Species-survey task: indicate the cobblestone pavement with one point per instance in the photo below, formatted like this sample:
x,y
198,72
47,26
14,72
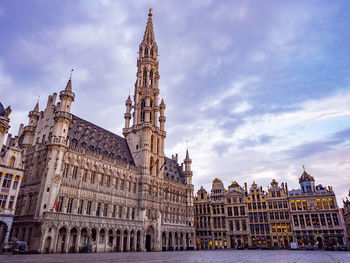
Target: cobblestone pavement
x,y
268,256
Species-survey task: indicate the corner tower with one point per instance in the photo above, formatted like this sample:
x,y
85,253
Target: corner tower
x,y
146,135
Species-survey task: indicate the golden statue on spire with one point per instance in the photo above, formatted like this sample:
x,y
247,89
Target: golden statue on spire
x,y
150,11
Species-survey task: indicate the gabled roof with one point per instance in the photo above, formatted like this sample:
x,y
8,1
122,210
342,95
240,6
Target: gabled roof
x,y
94,138
305,177
173,171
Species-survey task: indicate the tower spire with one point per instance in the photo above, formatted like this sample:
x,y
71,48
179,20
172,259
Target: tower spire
x,y
69,84
148,36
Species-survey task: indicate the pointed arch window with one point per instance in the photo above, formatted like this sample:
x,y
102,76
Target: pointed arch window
x,y
150,165
143,105
151,78
145,77
152,139
146,52
140,51
151,52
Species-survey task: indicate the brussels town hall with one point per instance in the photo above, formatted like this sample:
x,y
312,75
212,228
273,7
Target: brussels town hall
x,y
85,188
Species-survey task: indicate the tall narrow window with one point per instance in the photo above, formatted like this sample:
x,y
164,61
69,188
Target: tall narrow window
x,y
15,183
101,181
144,77
3,199
105,210
152,139
108,180
158,146
84,175
152,52
143,114
93,176
151,78
88,208
75,172
65,170
80,208
70,205
7,181
114,210
151,165
60,204
12,200
98,210
146,51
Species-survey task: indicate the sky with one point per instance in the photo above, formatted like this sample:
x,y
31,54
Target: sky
x,y
258,88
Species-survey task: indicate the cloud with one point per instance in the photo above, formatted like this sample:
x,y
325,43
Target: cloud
x,y
257,89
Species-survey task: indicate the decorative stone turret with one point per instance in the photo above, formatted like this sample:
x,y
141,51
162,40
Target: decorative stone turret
x,y
29,130
4,123
127,115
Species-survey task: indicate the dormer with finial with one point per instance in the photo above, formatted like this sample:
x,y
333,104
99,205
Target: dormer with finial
x,y
307,182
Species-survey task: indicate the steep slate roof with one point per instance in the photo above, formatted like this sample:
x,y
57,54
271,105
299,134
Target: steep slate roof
x,y
94,138
173,171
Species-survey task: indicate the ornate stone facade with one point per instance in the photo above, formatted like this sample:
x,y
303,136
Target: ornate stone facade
x,y
254,218
11,173
87,188
316,218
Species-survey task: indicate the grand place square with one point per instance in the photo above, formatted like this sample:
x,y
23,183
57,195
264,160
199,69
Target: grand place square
x,y
89,177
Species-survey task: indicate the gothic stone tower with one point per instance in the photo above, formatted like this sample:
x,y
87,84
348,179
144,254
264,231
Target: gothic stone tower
x,y
146,135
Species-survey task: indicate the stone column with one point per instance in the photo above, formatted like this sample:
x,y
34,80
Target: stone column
x,y
121,241
173,240
7,234
184,241
77,242
135,242
66,242
2,178
128,242
167,241
97,239
54,241
105,242
142,242
114,243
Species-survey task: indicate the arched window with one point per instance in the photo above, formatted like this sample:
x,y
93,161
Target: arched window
x,y
150,165
152,143
151,78
143,105
151,52
158,145
12,161
146,52
145,77
140,51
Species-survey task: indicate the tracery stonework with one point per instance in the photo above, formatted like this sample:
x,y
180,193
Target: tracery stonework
x,y
85,187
